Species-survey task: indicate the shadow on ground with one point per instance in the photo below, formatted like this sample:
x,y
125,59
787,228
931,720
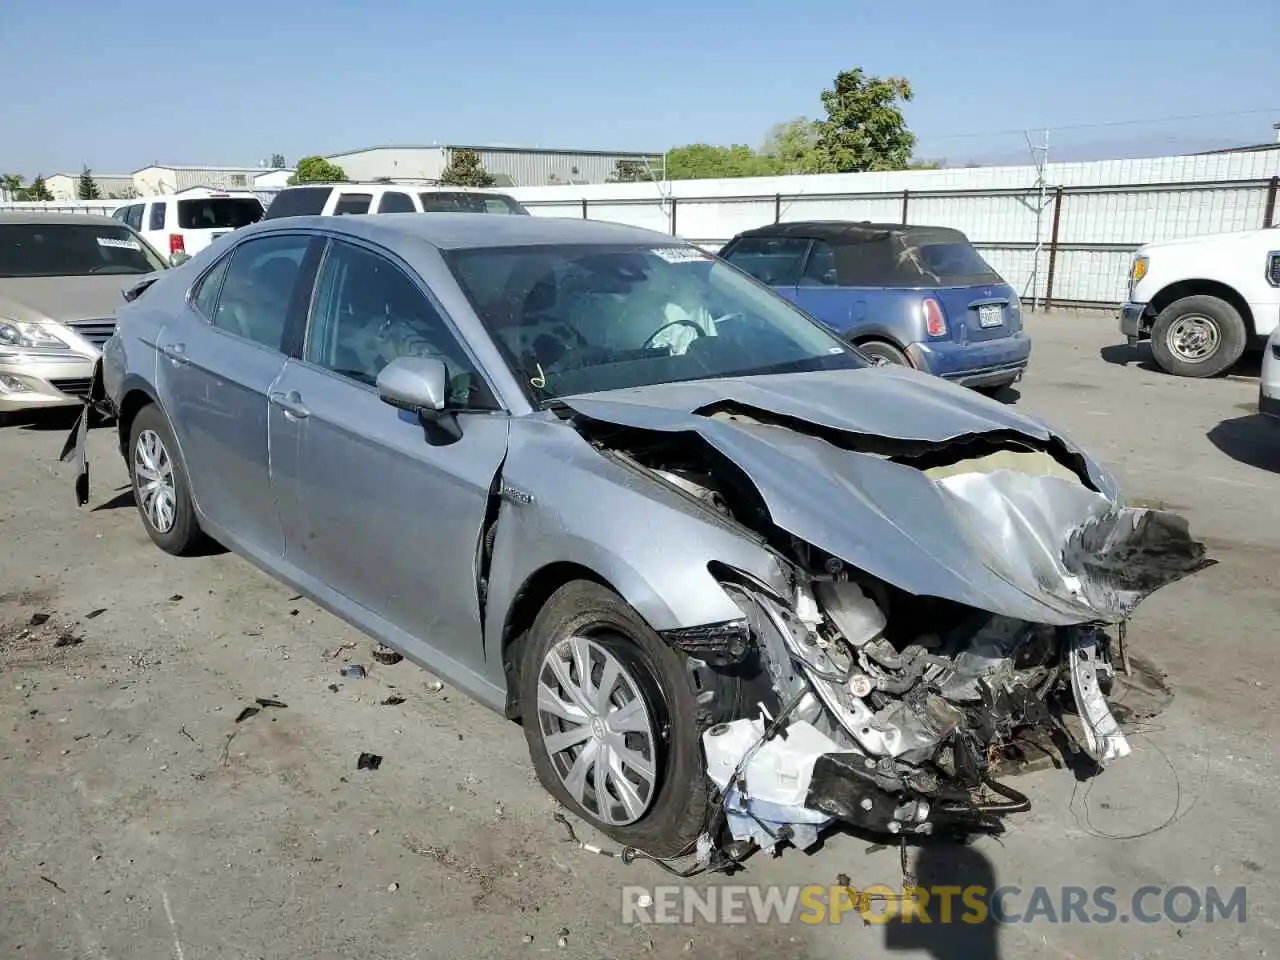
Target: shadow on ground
x,y
957,922
1252,440
1122,354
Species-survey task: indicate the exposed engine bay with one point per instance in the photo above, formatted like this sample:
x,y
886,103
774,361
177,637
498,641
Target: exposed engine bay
x,y
857,700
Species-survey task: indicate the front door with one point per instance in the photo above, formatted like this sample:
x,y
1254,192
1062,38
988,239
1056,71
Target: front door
x,y
217,367
376,513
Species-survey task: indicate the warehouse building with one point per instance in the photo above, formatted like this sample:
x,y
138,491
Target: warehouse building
x,y
509,166
111,186
164,178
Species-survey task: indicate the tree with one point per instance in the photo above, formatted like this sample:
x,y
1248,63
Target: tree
x,y
630,171
465,170
864,129
39,190
704,161
926,164
277,161
792,147
317,170
87,189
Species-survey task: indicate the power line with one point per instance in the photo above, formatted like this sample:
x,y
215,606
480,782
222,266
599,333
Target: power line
x,y
1103,123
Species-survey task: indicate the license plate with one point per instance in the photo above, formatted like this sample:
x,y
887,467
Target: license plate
x,y
990,315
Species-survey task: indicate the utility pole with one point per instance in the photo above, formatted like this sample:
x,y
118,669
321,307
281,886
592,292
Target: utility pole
x,y
1040,158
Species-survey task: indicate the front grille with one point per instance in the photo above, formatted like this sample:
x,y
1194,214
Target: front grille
x,y
76,386
96,332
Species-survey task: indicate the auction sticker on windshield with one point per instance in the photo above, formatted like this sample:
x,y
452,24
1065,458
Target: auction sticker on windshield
x,y
679,254
119,244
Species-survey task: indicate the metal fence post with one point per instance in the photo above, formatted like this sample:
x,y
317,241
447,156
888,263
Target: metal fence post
x,y
1269,211
673,216
1053,250
906,196
584,208
777,208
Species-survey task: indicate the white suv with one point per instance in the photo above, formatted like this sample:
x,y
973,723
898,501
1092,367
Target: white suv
x,y
336,199
183,224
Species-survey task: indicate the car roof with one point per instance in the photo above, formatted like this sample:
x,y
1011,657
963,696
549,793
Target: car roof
x,y
846,232
77,219
399,187
457,231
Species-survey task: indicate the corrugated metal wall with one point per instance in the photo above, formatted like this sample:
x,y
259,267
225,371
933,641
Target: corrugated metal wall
x,y
398,163
532,168
1105,210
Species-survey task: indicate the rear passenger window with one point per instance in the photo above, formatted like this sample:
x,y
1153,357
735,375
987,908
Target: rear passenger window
x,y
396,203
352,203
820,268
206,293
299,202
132,215
776,261
258,287
157,216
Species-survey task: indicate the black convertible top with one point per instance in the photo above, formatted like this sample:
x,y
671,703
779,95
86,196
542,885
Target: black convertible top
x,y
889,254
842,232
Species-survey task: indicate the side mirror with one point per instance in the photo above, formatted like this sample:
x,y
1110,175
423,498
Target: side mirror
x,y
179,258
417,384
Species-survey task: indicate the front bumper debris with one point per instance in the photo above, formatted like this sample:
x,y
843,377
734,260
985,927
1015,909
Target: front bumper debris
x,y
75,447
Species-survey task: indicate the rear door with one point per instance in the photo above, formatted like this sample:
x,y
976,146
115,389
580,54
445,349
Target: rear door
x,y
218,361
376,511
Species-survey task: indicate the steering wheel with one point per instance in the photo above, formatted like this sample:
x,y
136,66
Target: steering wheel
x,y
682,322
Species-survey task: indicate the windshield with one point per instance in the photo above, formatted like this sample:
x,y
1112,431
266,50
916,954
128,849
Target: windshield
x,y
218,213
73,250
458,202
577,319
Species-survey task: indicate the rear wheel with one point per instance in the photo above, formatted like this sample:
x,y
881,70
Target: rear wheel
x,y
160,486
884,353
1199,336
609,716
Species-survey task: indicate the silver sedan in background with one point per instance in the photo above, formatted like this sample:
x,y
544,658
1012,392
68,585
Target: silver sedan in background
x,y
60,284
736,582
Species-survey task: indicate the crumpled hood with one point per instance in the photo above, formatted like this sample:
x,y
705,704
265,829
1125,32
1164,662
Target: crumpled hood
x,y
1036,547
32,299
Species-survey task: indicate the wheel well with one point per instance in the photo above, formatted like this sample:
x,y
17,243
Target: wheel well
x,y
1211,288
529,599
133,401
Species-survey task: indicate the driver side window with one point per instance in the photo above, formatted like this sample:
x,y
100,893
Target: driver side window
x,y
368,312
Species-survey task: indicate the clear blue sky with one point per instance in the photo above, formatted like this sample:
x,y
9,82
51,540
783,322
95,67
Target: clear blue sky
x,y
120,85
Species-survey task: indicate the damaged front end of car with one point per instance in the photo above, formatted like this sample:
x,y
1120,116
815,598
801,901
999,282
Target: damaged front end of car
x,y
948,620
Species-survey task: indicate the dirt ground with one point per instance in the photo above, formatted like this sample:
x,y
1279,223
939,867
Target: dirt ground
x,y
139,820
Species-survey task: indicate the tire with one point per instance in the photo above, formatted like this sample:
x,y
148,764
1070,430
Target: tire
x,y
182,534
886,352
675,804
1198,336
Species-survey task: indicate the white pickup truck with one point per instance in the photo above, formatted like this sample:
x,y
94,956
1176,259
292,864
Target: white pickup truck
x,y
1203,301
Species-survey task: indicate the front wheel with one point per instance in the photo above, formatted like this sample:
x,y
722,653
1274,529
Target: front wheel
x,y
609,716
1198,336
160,486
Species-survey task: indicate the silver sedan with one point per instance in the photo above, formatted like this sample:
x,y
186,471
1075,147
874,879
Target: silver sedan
x,y
735,581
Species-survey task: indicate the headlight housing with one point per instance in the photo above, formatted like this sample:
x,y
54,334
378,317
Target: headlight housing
x,y
30,336
1138,270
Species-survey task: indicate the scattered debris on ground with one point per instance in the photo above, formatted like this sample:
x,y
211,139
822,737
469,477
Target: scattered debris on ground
x,y
384,654
368,761
392,701
354,671
246,713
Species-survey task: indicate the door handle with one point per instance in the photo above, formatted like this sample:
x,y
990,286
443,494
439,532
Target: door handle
x,y
291,403
176,352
